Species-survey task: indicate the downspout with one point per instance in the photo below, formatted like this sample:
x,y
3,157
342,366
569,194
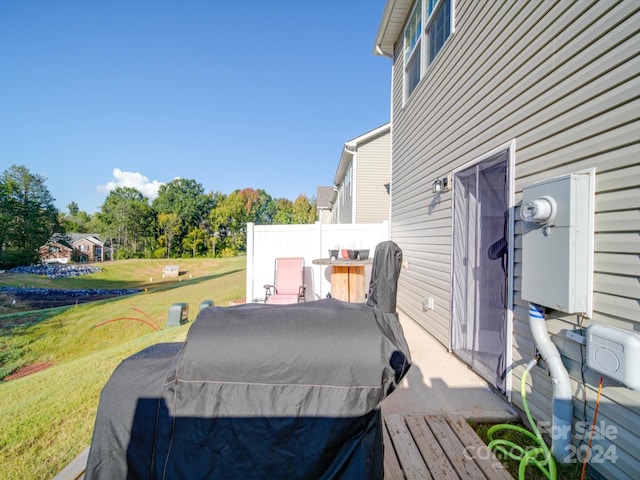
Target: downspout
x,y
332,204
354,184
562,396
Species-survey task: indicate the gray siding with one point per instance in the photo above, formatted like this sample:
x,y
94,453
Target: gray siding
x,y
562,80
345,202
372,180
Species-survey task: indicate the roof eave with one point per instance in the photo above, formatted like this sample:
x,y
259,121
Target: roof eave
x,y
391,24
351,147
345,159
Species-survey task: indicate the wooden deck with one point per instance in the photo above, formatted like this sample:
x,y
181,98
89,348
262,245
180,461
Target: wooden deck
x,y
415,447
436,447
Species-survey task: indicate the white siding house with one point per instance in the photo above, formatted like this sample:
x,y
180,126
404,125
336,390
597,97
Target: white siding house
x,y
361,183
487,99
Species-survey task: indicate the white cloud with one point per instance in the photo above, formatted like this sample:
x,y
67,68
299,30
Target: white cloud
x,y
132,179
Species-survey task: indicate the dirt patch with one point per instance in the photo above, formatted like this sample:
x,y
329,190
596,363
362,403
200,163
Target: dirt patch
x,y
28,370
27,299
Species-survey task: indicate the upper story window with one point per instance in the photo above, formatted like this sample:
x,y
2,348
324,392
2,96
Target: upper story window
x,y
346,187
412,48
428,28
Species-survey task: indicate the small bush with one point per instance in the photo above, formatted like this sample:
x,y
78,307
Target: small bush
x,y
227,253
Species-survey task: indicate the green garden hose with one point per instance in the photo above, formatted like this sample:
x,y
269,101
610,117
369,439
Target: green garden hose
x,y
538,454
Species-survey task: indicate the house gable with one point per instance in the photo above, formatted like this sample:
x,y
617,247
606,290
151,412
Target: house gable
x,y
361,183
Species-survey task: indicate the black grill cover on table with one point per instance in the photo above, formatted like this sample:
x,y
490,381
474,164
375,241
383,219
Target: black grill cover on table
x,y
256,391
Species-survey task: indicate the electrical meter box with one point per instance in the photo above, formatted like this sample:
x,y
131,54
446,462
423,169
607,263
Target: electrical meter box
x,y
178,314
615,353
557,242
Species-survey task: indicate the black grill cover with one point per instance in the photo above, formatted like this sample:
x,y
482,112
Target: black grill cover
x,y
256,391
383,288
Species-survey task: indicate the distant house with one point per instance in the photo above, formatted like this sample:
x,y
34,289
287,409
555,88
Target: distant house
x,y
89,247
76,247
323,195
489,99
361,183
56,250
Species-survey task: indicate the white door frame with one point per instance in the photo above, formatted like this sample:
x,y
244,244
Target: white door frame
x,y
511,147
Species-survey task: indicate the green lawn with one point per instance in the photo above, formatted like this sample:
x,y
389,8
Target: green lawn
x,y
46,419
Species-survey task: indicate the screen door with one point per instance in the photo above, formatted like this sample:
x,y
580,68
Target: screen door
x,y
480,266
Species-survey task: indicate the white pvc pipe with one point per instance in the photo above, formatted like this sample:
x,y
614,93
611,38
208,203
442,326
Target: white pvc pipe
x,y
562,396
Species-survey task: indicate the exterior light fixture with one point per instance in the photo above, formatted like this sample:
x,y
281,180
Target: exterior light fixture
x,y
440,186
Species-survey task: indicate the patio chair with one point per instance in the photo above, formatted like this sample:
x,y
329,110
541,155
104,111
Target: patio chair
x,y
288,285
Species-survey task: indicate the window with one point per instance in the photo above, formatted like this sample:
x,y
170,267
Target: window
x,y
346,189
440,28
412,48
427,30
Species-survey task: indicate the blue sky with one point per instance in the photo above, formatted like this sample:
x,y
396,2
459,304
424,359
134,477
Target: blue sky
x,y
234,94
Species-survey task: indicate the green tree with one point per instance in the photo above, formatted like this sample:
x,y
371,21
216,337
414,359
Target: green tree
x,y
186,199
76,221
260,206
231,214
284,211
142,229
169,226
197,241
73,209
227,220
304,210
28,217
127,219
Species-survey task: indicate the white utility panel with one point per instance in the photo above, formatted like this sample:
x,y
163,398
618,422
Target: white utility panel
x,y
557,242
615,353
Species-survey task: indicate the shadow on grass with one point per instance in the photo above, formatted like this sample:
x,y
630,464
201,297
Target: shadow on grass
x,y
182,282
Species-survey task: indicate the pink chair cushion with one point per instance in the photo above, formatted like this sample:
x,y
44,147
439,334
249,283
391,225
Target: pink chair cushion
x,y
282,299
289,276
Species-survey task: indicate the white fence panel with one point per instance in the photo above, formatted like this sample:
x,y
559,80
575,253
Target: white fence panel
x,y
265,243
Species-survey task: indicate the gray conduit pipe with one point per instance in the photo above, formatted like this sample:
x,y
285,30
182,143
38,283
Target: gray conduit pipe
x,y
562,396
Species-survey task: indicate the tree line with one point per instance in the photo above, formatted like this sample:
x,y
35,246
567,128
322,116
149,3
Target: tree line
x,y
182,221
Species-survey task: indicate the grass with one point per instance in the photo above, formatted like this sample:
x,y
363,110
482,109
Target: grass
x,y
569,471
46,419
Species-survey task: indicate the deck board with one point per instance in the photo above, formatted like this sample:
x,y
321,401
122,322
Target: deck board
x,y
392,469
463,464
431,450
409,457
438,447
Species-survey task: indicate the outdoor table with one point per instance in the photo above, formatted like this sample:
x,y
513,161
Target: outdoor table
x,y
347,278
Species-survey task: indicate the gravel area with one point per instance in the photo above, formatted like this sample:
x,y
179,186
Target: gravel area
x,y
23,299
57,270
